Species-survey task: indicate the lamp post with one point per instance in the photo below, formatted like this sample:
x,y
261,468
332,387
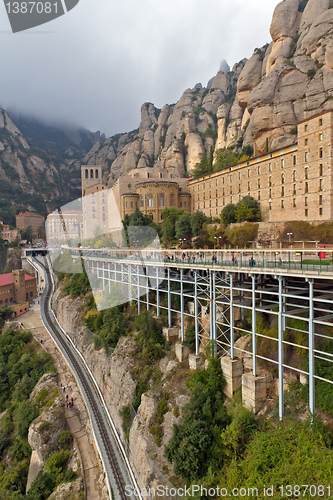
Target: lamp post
x,y
217,242
182,241
289,236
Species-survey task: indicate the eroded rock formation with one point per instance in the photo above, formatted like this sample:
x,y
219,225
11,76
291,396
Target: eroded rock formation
x,y
258,103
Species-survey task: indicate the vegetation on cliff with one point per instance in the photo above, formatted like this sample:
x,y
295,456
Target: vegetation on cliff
x,y
22,363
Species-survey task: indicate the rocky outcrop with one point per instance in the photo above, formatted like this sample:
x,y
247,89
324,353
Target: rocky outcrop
x,y
115,376
66,491
36,178
259,100
170,138
43,436
45,430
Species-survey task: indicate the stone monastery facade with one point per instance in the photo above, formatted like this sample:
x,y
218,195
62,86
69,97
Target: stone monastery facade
x,y
294,183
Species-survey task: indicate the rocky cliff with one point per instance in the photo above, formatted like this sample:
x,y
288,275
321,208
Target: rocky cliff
x,y
258,103
33,178
115,375
43,436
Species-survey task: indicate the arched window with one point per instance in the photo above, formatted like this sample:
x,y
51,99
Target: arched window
x,y
96,173
31,294
26,296
86,175
91,174
11,300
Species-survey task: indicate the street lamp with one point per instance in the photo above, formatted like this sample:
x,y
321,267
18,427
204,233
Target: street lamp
x,y
289,236
217,238
182,241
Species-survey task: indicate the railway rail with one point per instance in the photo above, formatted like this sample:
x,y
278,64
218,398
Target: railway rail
x,y
110,454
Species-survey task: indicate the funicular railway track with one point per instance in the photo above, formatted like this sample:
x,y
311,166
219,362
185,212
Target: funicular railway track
x,y
92,400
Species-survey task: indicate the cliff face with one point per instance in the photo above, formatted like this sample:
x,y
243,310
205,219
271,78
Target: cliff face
x,y
115,378
258,103
33,178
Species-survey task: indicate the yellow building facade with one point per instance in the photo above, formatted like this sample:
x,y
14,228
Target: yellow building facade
x,y
294,183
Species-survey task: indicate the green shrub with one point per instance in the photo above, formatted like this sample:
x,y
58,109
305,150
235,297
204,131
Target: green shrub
x,y
311,73
65,439
196,444
241,236
44,426
189,340
26,413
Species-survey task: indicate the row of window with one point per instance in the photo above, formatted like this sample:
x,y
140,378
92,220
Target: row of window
x,y
294,177
321,137
86,174
320,122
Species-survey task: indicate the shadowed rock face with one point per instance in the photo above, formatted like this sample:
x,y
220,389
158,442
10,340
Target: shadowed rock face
x,y
261,99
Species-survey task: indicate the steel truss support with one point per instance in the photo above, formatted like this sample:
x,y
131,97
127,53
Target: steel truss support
x,y
232,318
213,313
147,287
109,275
169,300
157,294
139,293
212,309
196,313
225,292
280,343
182,305
311,352
254,326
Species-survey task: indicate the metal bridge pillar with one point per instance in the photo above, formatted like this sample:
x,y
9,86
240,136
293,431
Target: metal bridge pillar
x,y
284,304
212,308
130,283
147,287
196,313
139,294
254,325
169,299
103,275
157,294
311,352
280,346
232,318
182,305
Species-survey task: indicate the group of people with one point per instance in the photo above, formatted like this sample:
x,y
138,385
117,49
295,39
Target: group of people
x,y
69,401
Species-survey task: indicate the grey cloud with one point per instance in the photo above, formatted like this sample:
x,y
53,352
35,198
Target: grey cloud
x,y
97,64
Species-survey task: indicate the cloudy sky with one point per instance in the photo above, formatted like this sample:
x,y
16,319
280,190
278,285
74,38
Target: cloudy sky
x,y
98,63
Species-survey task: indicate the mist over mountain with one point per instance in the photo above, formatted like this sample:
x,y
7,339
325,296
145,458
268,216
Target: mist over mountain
x,y
255,105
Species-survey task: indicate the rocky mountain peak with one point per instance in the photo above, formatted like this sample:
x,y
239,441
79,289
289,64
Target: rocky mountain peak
x,y
258,103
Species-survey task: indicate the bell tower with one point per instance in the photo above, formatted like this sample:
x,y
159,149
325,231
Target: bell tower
x,y
90,176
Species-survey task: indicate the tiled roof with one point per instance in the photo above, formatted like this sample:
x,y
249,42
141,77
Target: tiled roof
x,y
7,279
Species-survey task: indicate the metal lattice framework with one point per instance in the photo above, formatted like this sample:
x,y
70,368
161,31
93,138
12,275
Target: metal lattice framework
x,y
218,298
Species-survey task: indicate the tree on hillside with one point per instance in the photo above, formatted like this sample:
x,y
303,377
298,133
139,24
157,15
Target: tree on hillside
x,y
183,226
228,214
243,213
205,166
26,234
170,215
247,209
241,236
197,221
225,158
140,229
251,204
